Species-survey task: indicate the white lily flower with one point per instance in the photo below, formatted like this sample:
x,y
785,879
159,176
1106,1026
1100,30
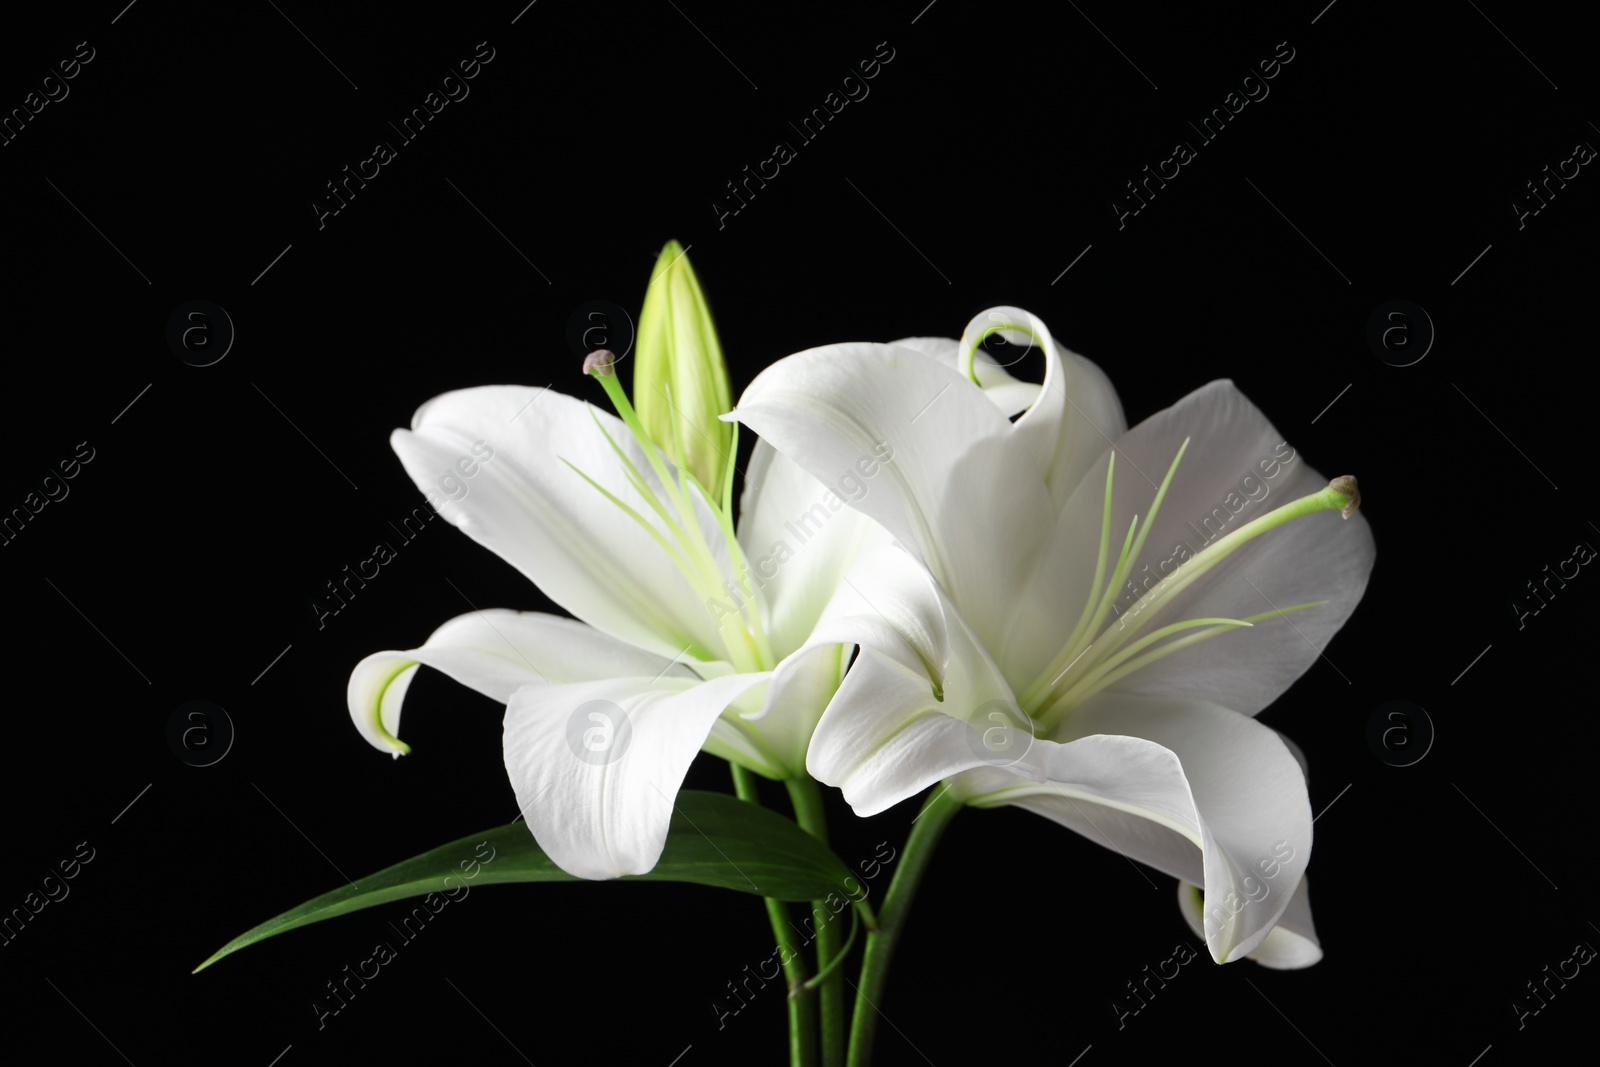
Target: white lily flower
x,y
687,635
1037,664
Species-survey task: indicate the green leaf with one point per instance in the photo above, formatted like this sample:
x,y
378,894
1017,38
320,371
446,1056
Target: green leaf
x,y
714,839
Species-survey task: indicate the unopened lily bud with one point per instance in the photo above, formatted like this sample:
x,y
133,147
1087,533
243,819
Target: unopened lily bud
x,y
680,382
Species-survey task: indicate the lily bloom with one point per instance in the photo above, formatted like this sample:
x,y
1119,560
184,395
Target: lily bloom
x,y
1102,612
686,635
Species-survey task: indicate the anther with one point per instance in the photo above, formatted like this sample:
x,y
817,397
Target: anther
x,y
1345,485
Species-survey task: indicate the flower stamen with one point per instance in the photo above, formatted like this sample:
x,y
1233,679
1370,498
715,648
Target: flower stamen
x,y
684,541
1126,561
1093,658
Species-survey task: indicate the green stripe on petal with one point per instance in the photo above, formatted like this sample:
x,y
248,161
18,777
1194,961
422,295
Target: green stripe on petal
x,y
377,688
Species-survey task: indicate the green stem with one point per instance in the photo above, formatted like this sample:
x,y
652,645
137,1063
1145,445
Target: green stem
x,y
832,965
802,1005
926,829
812,817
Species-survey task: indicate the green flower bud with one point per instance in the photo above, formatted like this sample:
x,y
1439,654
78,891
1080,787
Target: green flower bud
x,y
680,382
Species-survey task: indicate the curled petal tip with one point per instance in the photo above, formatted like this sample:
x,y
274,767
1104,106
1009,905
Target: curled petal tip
x,y
599,362
1345,485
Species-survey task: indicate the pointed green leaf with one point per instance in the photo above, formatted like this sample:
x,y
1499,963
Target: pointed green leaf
x,y
714,839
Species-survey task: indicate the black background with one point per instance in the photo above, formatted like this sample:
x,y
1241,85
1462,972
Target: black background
x,y
983,162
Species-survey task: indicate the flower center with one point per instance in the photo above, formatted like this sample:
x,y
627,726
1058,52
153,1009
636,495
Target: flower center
x,y
679,531
1097,654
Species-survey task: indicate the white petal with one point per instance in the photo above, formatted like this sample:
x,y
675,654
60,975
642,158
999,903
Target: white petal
x,y
1299,755
737,741
495,652
885,738
791,706
1291,945
596,765
530,508
1188,787
955,487
1009,394
888,601
918,702
1319,557
1077,414
799,537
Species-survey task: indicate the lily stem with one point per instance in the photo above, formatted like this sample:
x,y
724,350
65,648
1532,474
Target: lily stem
x,y
802,1004
812,817
926,829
